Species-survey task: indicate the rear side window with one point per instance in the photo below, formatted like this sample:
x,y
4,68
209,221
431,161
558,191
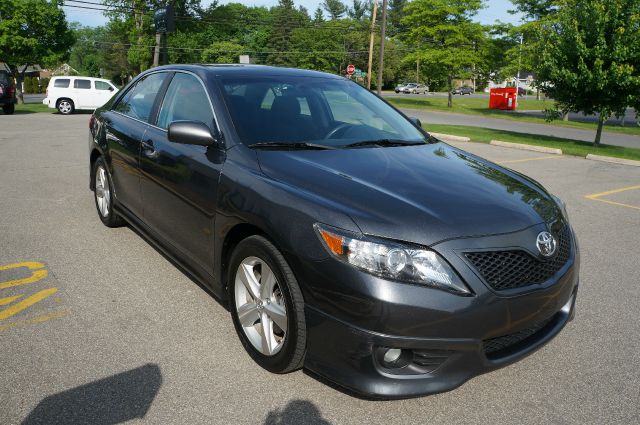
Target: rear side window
x,y
4,78
82,84
62,83
101,85
138,101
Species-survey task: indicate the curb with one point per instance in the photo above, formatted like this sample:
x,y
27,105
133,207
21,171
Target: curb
x,y
450,137
613,160
526,147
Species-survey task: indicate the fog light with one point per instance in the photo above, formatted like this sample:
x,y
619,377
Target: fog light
x,y
392,355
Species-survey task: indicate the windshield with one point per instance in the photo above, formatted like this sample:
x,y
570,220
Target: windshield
x,y
319,111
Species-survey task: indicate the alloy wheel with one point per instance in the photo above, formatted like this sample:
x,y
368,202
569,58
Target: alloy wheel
x,y
260,305
64,107
103,194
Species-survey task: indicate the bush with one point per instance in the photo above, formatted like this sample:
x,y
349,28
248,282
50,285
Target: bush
x,y
44,83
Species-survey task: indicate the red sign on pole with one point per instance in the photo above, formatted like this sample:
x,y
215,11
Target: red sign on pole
x,y
351,69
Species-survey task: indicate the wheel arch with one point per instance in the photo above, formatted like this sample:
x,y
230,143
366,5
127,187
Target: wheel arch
x,y
69,98
232,238
95,154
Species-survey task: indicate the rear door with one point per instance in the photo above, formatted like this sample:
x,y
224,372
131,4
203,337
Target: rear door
x,y
125,125
179,182
82,93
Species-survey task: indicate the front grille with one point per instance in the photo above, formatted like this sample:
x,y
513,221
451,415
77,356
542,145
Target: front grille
x,y
516,268
492,347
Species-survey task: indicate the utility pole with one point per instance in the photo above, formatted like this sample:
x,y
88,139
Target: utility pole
x,y
383,28
156,51
371,38
418,71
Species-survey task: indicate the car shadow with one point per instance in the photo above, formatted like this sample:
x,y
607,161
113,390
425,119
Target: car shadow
x,y
112,400
296,412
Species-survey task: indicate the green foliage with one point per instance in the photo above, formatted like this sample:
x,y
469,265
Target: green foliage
x,y
445,36
590,57
44,83
222,52
335,8
33,32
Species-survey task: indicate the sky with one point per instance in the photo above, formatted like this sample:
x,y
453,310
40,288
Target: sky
x,y
494,10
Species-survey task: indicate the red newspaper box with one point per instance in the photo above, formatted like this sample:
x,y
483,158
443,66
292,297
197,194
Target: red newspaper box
x,y
503,98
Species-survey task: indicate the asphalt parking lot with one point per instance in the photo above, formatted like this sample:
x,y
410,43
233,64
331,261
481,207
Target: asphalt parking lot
x,y
97,327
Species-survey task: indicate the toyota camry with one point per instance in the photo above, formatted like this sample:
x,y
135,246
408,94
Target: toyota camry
x,y
342,237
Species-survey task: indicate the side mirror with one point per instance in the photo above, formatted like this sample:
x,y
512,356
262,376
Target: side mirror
x,y
190,133
111,88
416,121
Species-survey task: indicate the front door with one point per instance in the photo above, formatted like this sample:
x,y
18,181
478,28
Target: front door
x,y
179,182
125,126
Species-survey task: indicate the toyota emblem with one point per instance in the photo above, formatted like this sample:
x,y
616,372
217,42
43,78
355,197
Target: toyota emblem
x,y
546,244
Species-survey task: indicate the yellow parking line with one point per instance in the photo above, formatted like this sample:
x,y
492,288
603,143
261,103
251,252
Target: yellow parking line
x,y
26,303
38,273
9,300
38,319
538,158
597,196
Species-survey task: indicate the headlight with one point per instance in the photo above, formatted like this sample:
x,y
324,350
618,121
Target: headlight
x,y
391,260
563,207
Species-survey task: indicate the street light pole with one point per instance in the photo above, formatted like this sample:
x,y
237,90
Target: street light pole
x,y
383,28
519,62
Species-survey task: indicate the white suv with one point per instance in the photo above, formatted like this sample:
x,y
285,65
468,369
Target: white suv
x,y
66,94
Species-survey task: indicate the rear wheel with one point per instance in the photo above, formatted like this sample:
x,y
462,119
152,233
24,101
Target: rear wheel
x,y
65,106
103,194
267,306
9,108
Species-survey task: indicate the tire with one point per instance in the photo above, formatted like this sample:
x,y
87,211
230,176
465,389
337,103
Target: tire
x,y
9,108
103,195
285,351
65,106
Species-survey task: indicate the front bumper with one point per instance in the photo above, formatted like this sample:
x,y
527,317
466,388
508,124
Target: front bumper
x,y
352,317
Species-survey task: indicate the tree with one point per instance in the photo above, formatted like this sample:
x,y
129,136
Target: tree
x,y
358,11
222,52
590,57
285,19
446,39
33,32
317,16
395,14
535,10
335,8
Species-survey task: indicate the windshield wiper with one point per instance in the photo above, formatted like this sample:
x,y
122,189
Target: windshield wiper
x,y
289,146
383,143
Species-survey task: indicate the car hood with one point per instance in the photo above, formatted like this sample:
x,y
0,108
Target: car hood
x,y
422,194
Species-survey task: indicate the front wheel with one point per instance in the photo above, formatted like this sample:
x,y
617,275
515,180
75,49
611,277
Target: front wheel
x,y
9,108
266,306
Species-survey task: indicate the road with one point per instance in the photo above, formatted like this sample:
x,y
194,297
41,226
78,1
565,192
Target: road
x,y
436,117
630,117
104,329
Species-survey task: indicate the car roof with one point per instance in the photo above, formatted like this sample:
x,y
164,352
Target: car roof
x,y
78,76
224,70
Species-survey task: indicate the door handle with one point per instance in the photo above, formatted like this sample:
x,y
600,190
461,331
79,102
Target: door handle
x,y
148,149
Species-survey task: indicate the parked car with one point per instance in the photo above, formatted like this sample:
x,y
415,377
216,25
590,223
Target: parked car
x,y
344,239
67,94
400,87
463,90
7,92
415,88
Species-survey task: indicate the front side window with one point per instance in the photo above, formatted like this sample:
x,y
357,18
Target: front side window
x,y
327,111
185,100
101,85
61,83
138,101
82,84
